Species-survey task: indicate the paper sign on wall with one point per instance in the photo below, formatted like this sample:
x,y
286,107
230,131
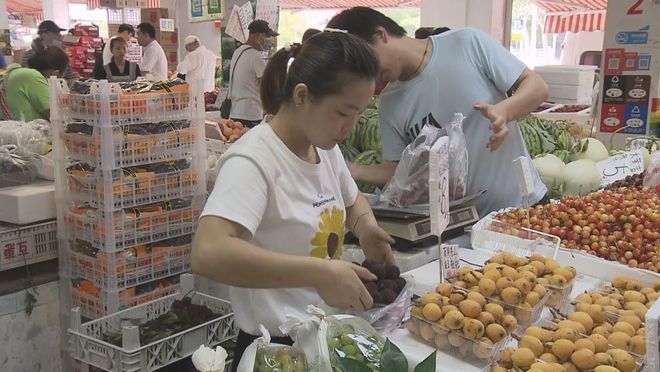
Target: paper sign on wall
x,y
269,11
620,166
234,28
167,24
439,185
246,16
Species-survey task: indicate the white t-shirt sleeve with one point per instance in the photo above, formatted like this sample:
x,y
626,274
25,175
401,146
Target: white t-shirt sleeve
x,y
149,59
239,194
259,64
349,189
501,67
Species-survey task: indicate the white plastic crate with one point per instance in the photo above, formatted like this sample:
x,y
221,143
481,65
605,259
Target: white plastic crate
x,y
496,236
95,302
130,267
87,345
129,187
133,226
27,244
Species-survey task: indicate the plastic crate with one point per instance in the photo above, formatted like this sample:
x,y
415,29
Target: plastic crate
x,y
130,267
95,302
27,244
129,187
107,104
133,226
496,236
87,345
114,149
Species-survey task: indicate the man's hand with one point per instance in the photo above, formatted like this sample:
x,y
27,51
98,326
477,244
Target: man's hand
x,y
498,123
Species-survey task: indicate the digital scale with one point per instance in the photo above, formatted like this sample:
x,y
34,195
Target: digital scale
x,y
411,226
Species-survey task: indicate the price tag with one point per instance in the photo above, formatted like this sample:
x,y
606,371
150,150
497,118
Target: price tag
x,y
620,166
439,185
523,170
449,261
167,24
14,250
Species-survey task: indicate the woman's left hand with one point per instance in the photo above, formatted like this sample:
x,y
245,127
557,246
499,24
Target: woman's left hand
x,y
375,243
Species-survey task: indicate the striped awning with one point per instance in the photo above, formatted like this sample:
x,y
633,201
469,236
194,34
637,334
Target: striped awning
x,y
573,15
94,4
344,4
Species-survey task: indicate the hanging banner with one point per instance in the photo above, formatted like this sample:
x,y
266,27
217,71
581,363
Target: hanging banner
x,y
246,15
234,28
205,10
631,65
269,11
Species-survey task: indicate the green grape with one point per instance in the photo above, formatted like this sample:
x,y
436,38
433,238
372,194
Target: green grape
x,y
358,357
346,340
335,343
347,328
349,349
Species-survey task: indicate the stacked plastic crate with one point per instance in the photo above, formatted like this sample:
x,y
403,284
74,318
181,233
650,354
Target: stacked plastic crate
x,y
130,185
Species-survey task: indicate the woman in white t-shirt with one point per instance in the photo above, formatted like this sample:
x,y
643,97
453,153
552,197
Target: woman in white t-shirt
x,y
273,227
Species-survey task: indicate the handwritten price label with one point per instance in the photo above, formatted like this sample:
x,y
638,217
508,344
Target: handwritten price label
x,y
439,185
620,166
14,250
449,260
523,170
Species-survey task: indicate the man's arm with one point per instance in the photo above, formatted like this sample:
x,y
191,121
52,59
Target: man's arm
x,y
378,175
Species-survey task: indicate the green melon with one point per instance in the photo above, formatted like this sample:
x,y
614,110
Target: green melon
x,y
349,152
368,158
369,136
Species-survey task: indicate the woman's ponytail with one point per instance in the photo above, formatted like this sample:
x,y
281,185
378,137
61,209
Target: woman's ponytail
x,y
274,78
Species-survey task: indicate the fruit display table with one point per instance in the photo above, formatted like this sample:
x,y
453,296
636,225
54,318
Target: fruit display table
x,y
593,273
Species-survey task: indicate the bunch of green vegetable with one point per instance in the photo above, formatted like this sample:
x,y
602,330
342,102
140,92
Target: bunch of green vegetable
x,y
547,137
391,360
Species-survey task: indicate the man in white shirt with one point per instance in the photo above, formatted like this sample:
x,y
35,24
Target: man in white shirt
x,y
154,60
125,32
247,66
199,64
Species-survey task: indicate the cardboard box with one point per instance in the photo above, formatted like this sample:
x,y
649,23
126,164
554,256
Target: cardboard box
x,y
168,38
86,30
28,203
153,16
172,56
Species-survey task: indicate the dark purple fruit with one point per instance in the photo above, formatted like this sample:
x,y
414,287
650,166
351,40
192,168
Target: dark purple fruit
x,y
388,295
387,283
392,272
378,299
371,286
400,284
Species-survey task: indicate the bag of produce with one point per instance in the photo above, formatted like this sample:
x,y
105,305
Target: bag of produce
x,y
458,158
206,359
263,356
410,183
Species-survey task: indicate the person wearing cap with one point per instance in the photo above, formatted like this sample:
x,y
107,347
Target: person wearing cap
x,y
49,36
119,69
154,60
126,32
199,63
247,67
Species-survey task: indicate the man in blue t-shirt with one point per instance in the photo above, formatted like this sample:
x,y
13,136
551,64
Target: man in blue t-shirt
x,y
463,70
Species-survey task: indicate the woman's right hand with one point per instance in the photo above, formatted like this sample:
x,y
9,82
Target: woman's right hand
x,y
342,287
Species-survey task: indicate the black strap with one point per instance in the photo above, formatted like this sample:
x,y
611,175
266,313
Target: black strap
x,y
231,75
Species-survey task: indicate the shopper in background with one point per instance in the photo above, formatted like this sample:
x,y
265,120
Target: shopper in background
x,y
247,67
154,60
199,64
275,219
309,33
24,92
126,32
464,71
49,35
119,69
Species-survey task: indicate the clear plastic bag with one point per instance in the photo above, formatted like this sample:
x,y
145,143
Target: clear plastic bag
x,y
652,177
18,166
410,183
458,158
262,355
351,337
33,136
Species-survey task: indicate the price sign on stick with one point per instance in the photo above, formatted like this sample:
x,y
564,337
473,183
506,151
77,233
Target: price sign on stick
x,y
620,166
523,170
439,190
450,261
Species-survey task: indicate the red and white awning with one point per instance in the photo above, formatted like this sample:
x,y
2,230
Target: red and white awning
x,y
94,4
343,4
573,15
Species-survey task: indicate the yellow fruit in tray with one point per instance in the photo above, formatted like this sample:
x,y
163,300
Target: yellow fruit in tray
x,y
483,349
486,318
549,367
581,306
495,309
622,360
492,266
509,272
540,289
606,369
495,332
569,367
503,283
417,311
600,343
500,369
641,332
652,297
523,285
557,280
493,275
542,281
523,313
523,358
585,343
646,291
567,274
529,276
620,282
455,338
473,329
562,349
465,350
448,308
432,312
456,298
532,298
585,298
597,313
487,287
634,285
620,340
624,327
584,319
537,257
584,359
461,284
426,331
542,334
603,301
439,328
569,334
540,267
444,289
550,265
638,345
532,343
510,323
413,327
505,357
604,359
454,319
549,358
511,295
634,296
441,342
477,297
431,298
567,323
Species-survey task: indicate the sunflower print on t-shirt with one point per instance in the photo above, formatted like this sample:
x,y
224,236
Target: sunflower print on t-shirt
x,y
329,240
